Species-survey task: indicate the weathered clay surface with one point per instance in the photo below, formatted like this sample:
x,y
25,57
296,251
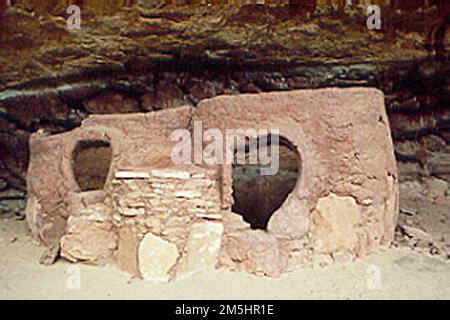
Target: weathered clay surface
x,y
346,153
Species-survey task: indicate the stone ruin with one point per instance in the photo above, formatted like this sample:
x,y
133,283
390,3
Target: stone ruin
x,y
129,203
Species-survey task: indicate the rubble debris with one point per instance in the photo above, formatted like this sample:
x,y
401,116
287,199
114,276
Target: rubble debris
x,y
416,234
50,255
408,212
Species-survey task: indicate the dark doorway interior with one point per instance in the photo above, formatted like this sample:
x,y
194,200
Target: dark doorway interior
x,y
257,197
91,162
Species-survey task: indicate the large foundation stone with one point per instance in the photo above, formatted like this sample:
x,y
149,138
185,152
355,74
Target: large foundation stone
x,y
156,258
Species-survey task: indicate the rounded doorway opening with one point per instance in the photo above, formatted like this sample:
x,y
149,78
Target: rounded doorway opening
x,y
257,196
91,160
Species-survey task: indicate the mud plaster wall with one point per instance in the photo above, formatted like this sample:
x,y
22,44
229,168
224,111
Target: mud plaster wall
x,y
346,198
345,202
137,140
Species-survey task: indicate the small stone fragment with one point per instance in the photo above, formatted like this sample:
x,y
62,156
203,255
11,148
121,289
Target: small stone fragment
x,y
170,174
342,256
187,194
322,260
132,175
416,233
50,255
132,212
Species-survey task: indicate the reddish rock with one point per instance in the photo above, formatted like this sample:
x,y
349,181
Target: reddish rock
x,y
166,95
111,102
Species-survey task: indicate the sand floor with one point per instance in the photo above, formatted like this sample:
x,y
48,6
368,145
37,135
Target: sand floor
x,y
392,273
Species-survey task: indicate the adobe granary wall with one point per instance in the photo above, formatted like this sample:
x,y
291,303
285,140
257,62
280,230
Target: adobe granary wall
x,y
162,220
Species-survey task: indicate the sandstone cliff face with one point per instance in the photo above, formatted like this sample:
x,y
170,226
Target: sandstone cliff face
x,y
150,59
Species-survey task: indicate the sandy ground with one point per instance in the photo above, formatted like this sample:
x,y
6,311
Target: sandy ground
x,y
395,273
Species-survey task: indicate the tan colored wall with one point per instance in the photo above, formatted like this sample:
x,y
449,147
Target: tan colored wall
x,y
347,162
137,140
